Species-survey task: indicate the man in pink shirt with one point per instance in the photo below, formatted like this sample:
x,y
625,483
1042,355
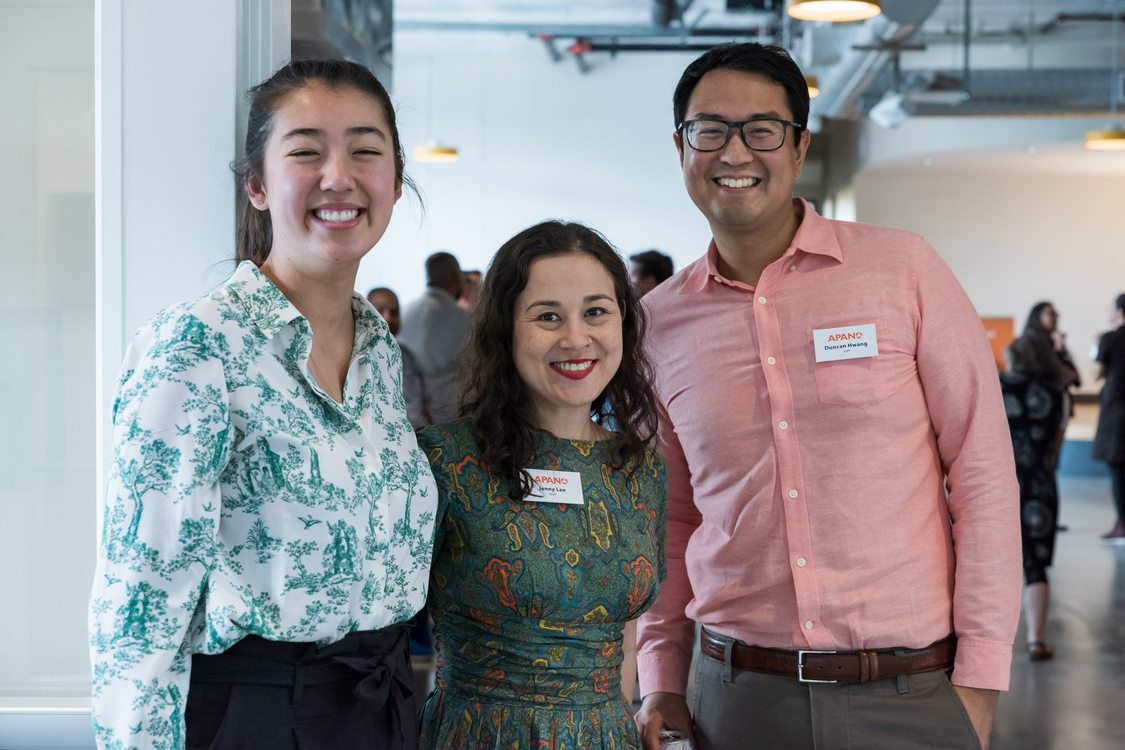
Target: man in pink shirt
x,y
843,510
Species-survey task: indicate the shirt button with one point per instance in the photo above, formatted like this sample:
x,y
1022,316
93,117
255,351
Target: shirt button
x,y
783,425
771,361
792,494
801,562
761,300
808,624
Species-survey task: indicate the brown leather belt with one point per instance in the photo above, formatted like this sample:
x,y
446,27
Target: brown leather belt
x,y
832,666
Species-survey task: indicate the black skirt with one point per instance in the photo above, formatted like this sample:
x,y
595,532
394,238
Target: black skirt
x,y
355,693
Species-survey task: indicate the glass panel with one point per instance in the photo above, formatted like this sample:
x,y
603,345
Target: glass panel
x,y
47,432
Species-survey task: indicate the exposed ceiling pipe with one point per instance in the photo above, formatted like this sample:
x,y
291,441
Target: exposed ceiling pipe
x,y
877,40
965,44
1049,92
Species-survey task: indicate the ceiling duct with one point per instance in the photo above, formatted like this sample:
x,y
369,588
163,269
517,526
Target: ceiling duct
x,y
345,28
872,46
664,12
1046,92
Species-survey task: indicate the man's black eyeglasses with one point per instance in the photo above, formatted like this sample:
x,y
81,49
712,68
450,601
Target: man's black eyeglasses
x,y
760,134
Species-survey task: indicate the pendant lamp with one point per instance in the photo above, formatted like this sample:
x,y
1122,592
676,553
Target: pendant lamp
x,y
834,10
814,86
435,153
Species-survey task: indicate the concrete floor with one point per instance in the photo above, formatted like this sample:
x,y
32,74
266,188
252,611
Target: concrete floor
x,y
1076,700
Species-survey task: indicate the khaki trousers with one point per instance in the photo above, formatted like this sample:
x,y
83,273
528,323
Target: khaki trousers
x,y
737,709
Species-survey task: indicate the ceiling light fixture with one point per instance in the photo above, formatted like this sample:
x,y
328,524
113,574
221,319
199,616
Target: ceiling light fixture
x,y
435,153
1106,140
834,10
432,151
814,86
1112,138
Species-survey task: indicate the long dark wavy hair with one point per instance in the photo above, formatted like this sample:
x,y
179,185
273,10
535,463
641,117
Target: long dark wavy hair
x,y
255,229
1034,317
495,398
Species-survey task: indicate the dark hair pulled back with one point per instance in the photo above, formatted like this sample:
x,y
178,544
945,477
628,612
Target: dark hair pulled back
x,y
255,230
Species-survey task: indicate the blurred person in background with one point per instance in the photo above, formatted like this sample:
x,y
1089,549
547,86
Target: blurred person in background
x,y
1044,319
385,302
1109,439
470,290
435,329
649,269
1034,387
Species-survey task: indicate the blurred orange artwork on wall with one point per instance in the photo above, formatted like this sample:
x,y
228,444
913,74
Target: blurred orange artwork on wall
x,y
1000,332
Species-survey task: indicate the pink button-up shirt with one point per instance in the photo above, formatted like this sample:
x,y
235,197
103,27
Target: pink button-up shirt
x,y
851,504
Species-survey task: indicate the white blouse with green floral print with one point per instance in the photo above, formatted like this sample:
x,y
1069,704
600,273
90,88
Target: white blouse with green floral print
x,y
243,500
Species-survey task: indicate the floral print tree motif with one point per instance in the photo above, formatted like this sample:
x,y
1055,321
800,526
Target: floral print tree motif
x,y
259,540
140,615
340,554
296,551
151,471
196,543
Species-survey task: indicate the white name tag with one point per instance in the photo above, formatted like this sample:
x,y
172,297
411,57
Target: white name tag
x,y
556,487
848,342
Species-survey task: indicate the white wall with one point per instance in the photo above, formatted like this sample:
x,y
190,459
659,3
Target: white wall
x,y
1016,226
178,121
538,140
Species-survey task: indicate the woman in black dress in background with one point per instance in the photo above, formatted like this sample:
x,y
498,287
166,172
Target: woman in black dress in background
x,y
1035,399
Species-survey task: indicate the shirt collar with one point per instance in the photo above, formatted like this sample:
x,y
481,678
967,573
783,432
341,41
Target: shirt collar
x,y
369,326
270,311
265,306
441,294
814,236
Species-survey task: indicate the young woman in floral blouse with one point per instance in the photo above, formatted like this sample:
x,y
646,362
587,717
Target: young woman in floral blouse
x,y
269,518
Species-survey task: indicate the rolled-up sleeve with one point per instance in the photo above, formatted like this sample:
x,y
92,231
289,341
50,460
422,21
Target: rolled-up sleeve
x,y
962,391
665,635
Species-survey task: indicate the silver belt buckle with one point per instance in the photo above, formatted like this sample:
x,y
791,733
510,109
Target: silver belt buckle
x,y
801,667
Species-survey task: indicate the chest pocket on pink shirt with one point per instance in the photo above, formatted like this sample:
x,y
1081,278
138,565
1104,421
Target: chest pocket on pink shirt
x,y
864,382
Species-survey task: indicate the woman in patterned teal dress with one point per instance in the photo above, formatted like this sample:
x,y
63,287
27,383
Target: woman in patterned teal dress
x,y
268,518
551,528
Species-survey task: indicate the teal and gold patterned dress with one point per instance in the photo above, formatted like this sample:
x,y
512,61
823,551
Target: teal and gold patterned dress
x,y
529,598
